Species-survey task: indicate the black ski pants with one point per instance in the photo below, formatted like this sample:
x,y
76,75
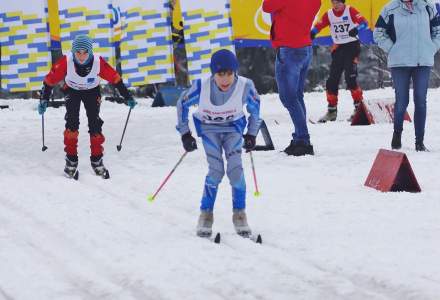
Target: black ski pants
x,y
92,103
344,59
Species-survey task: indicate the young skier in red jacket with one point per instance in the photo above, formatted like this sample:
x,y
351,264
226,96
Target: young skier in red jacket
x,y
345,23
81,71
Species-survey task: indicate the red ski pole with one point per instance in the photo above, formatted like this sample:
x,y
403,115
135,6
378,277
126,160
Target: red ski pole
x,y
152,197
257,192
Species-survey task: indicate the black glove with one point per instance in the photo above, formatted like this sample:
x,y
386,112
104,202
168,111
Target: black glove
x,y
249,142
45,92
312,35
353,32
189,143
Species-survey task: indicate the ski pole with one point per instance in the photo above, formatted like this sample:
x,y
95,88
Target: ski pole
x,y
44,148
119,147
257,192
152,197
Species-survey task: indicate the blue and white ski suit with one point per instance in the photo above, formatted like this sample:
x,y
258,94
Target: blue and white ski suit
x,y
221,135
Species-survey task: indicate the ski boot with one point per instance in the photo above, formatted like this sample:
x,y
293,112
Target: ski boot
x,y
71,168
331,115
99,168
396,142
239,220
204,225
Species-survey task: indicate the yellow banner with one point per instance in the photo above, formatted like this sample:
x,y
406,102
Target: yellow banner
x,y
249,22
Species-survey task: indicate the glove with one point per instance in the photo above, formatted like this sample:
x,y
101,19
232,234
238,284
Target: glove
x,y
249,142
42,106
131,102
189,143
353,32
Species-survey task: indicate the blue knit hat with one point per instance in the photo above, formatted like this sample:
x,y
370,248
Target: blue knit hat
x,y
83,42
223,60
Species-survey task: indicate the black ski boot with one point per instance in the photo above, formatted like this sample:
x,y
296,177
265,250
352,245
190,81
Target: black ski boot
x,y
396,142
71,168
98,167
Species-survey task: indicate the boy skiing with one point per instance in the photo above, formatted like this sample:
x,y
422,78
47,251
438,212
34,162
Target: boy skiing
x,y
345,23
80,71
220,122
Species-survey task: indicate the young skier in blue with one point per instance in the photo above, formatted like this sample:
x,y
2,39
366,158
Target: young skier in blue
x,y
220,122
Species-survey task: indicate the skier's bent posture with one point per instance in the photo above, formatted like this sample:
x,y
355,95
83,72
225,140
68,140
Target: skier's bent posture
x,y
81,71
220,122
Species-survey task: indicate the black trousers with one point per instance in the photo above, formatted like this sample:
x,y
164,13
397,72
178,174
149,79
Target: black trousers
x,y
344,59
92,103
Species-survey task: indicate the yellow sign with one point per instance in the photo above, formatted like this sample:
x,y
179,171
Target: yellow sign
x,y
249,22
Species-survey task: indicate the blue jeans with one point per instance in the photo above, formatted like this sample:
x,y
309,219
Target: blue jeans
x,y
401,79
291,68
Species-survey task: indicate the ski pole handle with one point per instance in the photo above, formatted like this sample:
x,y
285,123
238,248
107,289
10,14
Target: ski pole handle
x,y
152,197
257,192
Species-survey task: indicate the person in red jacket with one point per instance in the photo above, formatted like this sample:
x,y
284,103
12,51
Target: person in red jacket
x,y
81,71
290,36
345,23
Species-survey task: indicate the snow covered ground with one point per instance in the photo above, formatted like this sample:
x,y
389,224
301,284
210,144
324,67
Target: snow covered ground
x,y
325,235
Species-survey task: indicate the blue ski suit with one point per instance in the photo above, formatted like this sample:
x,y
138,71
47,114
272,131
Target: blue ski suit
x,y
223,136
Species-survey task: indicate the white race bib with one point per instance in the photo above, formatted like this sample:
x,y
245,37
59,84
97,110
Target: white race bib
x,y
340,26
77,82
232,110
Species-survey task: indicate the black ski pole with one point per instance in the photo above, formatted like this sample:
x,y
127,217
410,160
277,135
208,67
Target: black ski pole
x,y
44,148
119,147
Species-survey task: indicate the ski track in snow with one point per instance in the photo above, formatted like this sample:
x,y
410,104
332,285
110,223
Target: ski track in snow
x,y
325,235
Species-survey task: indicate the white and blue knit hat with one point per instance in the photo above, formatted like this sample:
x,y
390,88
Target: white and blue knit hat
x,y
83,42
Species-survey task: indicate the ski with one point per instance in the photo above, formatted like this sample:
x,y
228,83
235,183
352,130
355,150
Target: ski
x,y
257,239
254,238
216,239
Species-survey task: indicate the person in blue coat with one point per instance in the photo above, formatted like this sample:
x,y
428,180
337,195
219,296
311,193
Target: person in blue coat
x,y
220,122
409,31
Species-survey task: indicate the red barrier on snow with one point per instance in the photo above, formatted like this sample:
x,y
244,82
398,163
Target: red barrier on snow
x,y
392,172
376,111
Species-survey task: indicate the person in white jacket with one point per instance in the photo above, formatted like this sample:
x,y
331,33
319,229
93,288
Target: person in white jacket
x,y
409,31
